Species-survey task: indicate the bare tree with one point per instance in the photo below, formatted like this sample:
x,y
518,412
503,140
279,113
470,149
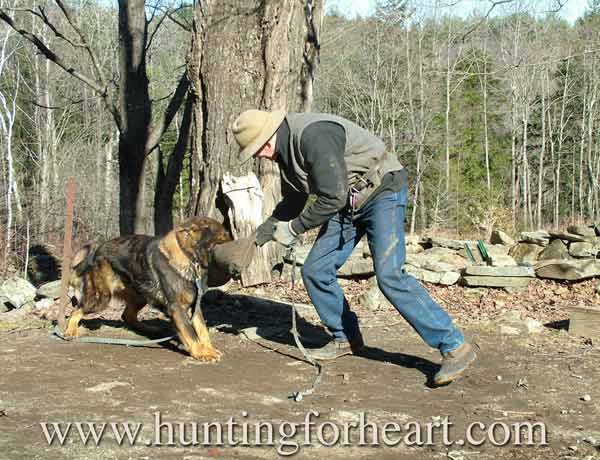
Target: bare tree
x,y
8,113
129,103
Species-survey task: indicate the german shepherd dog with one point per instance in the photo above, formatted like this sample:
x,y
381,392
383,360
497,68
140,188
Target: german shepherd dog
x,y
138,270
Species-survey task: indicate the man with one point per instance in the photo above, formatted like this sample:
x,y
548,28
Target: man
x,y
359,190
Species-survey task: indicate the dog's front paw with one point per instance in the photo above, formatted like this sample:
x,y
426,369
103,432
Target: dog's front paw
x,y
206,354
71,332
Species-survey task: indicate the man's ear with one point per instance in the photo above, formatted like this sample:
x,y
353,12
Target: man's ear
x,y
273,141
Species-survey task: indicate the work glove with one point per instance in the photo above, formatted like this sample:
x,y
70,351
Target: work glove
x,y
284,234
264,232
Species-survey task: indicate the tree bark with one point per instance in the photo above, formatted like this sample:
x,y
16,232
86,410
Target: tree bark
x,y
581,153
108,179
135,110
483,80
561,137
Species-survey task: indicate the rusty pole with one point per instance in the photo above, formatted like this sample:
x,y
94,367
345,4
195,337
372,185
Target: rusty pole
x,y
66,259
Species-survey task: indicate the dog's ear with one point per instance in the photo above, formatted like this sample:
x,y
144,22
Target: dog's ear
x,y
83,258
205,245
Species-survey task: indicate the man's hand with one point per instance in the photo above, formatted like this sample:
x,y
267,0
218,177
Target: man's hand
x,y
284,234
264,232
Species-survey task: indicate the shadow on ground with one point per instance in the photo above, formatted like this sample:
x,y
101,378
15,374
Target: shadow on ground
x,y
270,321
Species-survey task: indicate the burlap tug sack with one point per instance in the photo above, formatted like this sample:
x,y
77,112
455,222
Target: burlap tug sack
x,y
230,259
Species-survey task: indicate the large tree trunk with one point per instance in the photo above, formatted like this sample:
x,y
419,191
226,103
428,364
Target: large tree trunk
x,y
244,55
135,112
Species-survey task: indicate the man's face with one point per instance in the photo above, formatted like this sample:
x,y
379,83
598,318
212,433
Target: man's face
x,y
268,150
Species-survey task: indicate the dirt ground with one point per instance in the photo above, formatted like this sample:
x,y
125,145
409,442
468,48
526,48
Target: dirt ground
x,y
517,378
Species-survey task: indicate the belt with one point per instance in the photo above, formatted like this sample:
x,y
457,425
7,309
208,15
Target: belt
x,y
368,183
354,194
365,179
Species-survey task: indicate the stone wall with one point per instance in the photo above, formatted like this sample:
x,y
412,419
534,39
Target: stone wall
x,y
510,264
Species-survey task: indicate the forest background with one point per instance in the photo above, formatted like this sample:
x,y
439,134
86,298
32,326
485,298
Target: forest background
x,y
495,113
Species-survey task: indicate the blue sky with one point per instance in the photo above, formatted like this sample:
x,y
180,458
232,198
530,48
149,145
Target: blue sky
x,y
571,11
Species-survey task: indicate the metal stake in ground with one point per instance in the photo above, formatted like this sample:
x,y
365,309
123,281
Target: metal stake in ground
x,y
66,260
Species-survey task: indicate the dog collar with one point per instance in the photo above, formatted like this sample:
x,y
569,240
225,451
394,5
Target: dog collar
x,y
185,272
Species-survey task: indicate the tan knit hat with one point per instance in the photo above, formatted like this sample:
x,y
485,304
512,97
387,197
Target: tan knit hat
x,y
253,128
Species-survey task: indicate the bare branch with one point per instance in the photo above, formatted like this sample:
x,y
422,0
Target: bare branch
x,y
148,21
51,55
559,5
55,107
153,34
44,18
99,87
171,15
85,44
54,29
495,3
25,10
161,127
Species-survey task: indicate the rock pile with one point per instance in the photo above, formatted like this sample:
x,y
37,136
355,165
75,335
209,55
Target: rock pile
x,y
17,293
503,262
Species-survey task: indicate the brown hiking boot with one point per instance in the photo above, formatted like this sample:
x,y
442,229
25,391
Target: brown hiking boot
x,y
336,348
454,363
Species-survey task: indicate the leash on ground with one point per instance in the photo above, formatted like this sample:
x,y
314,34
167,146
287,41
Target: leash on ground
x,y
127,342
109,340
298,395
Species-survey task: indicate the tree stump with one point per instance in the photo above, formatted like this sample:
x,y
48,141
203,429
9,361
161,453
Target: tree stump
x,y
245,201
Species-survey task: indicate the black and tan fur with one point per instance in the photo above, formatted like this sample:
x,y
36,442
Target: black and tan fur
x,y
140,270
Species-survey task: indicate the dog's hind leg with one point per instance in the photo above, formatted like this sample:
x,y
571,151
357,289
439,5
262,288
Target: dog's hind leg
x,y
130,315
133,306
134,302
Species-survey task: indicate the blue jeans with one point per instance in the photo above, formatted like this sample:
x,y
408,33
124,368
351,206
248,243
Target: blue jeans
x,y
382,219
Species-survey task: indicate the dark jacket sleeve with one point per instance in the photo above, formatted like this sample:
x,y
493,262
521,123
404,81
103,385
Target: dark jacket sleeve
x,y
291,204
322,145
